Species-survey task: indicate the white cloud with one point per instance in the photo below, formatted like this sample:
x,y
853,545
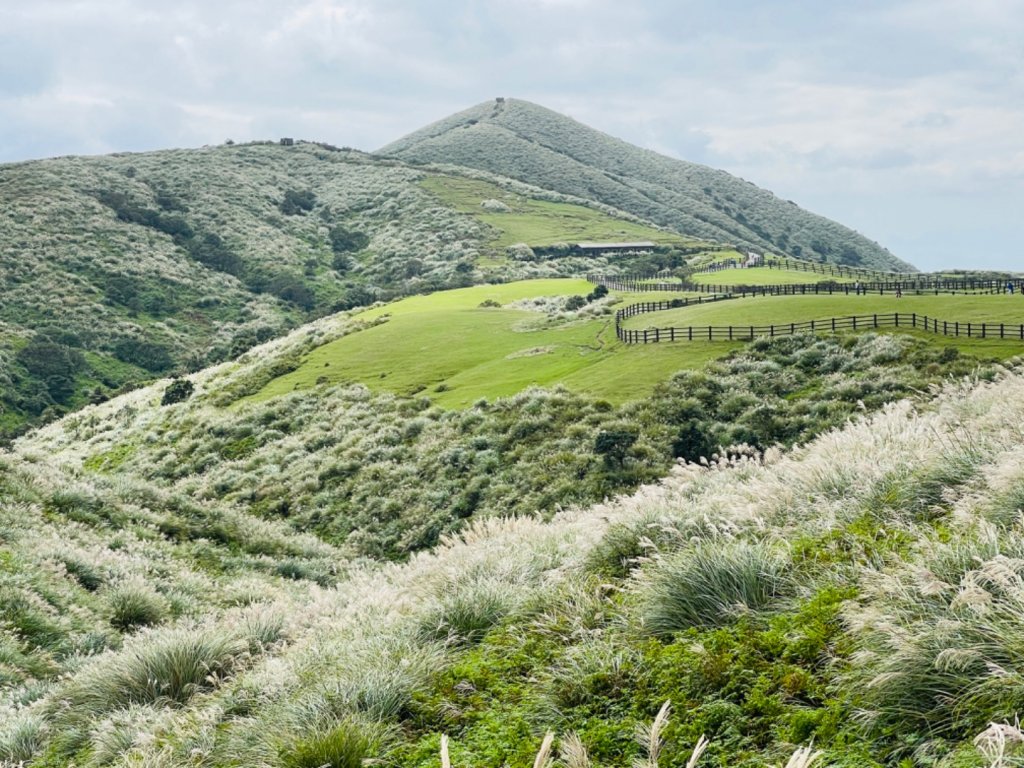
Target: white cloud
x,y
851,109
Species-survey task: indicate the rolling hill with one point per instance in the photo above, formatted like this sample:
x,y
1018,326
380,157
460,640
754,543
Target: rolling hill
x,y
527,142
117,269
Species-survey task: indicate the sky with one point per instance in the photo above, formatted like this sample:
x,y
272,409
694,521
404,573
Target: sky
x,y
903,119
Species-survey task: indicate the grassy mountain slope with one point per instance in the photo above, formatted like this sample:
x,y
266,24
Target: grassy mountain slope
x,y
524,141
344,428
115,269
862,592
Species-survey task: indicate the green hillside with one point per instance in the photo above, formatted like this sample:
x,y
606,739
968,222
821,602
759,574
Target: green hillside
x,y
449,347
786,309
170,594
409,500
517,218
765,276
524,141
118,269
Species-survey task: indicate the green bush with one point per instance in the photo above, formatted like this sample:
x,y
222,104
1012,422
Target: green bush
x,y
346,241
177,391
151,355
614,444
297,201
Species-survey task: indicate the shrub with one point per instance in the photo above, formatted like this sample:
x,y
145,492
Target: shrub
x,y
177,391
575,302
54,364
211,251
296,201
712,582
145,354
346,241
495,206
521,252
614,444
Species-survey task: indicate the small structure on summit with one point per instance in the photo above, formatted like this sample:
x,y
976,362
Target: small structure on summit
x,y
603,249
287,142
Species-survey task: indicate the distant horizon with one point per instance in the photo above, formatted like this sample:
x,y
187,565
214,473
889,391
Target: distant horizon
x,y
900,119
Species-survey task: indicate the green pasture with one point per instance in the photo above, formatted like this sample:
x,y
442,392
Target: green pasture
x,y
541,222
766,276
716,256
445,346
779,310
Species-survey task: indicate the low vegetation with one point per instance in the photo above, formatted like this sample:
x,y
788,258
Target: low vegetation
x,y
856,592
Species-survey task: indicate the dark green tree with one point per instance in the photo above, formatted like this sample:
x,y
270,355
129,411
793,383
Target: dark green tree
x,y
614,444
177,391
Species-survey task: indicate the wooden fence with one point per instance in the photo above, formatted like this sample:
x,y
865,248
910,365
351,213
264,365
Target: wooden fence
x,y
836,270
828,325
918,286
659,306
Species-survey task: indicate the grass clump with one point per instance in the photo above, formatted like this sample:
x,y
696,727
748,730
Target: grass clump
x,y
711,583
465,615
342,746
166,668
22,734
133,605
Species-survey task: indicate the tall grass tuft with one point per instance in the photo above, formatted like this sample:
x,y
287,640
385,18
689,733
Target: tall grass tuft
x,y
939,650
22,735
133,605
342,746
165,668
468,611
572,753
712,582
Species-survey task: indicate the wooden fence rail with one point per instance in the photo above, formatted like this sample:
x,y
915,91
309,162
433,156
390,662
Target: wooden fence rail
x,y
915,287
836,270
911,287
953,328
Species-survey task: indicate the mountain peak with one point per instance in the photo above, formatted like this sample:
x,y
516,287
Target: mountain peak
x,y
534,144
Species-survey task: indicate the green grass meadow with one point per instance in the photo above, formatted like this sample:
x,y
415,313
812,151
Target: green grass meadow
x,y
779,310
765,276
447,347
540,222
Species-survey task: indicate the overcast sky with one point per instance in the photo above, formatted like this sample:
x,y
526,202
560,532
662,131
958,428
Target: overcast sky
x,y
903,119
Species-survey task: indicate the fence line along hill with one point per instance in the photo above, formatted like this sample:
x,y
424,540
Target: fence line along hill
x,y
1004,323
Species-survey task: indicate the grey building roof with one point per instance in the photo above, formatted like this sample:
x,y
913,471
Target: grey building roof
x,y
638,244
